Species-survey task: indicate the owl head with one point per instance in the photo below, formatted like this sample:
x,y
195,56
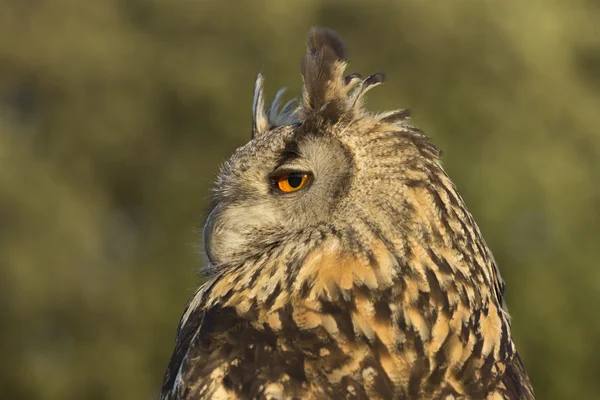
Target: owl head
x,y
326,170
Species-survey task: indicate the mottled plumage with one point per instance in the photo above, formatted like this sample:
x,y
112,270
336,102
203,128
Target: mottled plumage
x,y
371,281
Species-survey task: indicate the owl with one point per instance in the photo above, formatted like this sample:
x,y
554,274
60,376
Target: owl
x,y
342,262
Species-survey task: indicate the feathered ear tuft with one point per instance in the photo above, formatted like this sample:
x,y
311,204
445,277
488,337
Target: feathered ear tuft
x,y
260,121
327,95
263,119
324,91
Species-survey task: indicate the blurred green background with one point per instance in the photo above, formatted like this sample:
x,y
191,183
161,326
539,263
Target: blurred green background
x,y
115,115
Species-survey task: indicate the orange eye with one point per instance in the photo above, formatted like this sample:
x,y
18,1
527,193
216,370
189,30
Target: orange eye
x,y
291,182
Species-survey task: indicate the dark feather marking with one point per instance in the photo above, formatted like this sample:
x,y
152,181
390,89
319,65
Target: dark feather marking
x,y
438,295
270,300
423,302
464,333
474,322
505,346
374,79
486,369
382,309
467,371
440,262
290,152
349,78
459,276
419,369
306,287
441,364
340,314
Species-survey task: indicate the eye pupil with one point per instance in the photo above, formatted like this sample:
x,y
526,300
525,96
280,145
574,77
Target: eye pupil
x,y
295,181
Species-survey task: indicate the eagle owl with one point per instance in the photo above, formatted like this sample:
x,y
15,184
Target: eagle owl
x,y
342,262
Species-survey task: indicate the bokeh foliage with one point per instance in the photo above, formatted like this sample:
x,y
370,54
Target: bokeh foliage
x,y
114,117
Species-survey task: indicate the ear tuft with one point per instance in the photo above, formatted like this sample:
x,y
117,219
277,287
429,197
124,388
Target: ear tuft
x,y
322,70
263,119
327,95
260,121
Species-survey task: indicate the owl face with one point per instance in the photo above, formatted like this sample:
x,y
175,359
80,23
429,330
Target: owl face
x,y
277,187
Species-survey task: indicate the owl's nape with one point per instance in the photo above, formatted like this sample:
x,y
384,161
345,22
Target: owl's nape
x,y
343,262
